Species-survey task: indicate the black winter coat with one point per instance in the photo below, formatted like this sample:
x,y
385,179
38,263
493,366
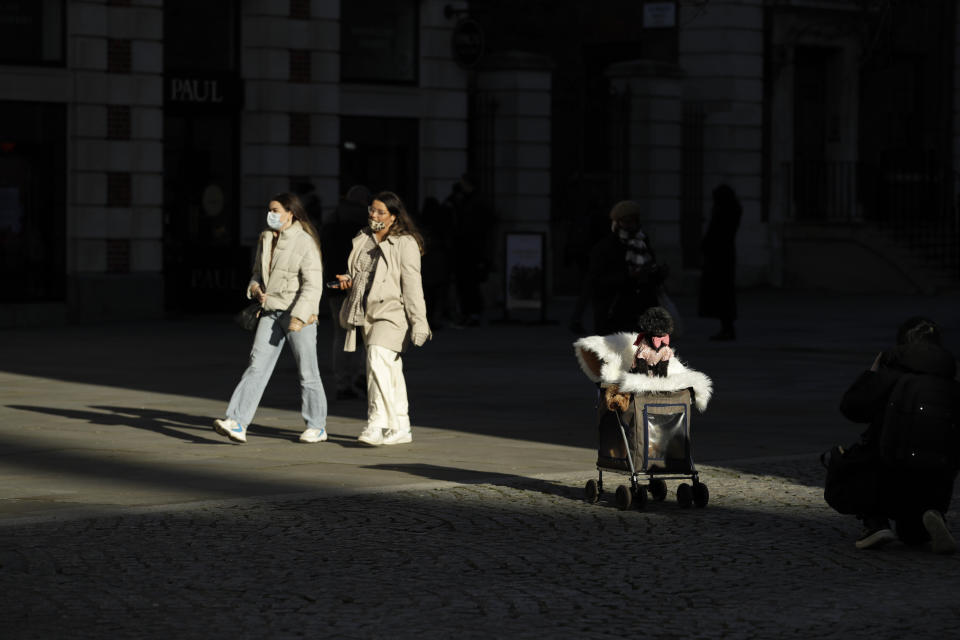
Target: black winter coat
x,y
866,400
618,298
718,280
886,493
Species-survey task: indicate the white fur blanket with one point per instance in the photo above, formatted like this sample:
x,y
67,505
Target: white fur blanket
x,y
607,360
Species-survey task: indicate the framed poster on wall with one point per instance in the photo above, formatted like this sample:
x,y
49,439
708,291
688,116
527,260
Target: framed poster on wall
x,y
525,271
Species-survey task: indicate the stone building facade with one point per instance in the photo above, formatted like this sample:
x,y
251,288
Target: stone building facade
x,y
140,139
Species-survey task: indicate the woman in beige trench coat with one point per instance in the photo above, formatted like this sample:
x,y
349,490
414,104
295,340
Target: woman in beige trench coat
x,y
385,302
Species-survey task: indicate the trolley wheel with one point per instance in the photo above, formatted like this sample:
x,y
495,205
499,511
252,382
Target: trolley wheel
x,y
684,495
701,494
658,490
640,498
591,492
624,497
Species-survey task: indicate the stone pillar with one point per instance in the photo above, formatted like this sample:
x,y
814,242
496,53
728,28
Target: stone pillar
x,y
517,86
653,154
115,202
722,54
290,68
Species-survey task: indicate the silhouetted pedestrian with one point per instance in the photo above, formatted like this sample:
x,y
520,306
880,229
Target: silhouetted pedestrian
x,y
472,219
337,236
311,201
718,292
623,276
587,230
437,263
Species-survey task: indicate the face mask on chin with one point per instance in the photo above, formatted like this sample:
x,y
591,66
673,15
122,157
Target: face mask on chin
x,y
274,220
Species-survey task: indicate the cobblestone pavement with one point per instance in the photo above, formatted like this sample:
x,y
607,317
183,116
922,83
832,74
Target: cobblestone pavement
x,y
514,557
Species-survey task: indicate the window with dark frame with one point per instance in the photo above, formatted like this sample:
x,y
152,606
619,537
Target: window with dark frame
x,y
300,9
32,32
118,255
300,70
379,41
119,122
119,56
119,189
300,129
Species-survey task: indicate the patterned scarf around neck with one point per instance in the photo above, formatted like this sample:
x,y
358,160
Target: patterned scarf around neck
x,y
355,303
638,253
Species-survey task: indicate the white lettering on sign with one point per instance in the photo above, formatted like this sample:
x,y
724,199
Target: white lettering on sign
x,y
195,90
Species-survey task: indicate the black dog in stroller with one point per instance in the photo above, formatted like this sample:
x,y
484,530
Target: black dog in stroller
x,y
645,397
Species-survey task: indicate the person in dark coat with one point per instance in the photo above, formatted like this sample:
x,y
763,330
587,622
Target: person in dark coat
x,y
622,275
436,265
915,500
471,220
718,294
336,238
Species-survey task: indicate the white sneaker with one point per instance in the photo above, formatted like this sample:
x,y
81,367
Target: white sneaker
x,y
940,539
230,428
313,435
372,436
396,436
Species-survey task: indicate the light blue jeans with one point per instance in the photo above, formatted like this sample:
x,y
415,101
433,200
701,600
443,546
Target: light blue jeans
x,y
268,342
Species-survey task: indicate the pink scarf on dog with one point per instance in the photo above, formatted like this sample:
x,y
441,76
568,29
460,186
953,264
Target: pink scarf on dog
x,y
660,351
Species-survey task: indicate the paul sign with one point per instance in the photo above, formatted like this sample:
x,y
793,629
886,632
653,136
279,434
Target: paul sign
x,y
202,93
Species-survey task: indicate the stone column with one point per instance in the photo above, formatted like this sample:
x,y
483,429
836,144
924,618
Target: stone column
x,y
115,164
290,68
653,153
722,54
517,86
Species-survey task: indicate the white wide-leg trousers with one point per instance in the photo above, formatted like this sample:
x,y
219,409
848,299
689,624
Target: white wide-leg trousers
x,y
387,406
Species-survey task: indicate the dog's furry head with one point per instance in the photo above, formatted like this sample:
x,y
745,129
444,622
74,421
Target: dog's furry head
x,y
656,321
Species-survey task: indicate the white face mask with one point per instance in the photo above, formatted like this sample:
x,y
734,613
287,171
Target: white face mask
x,y
274,220
376,225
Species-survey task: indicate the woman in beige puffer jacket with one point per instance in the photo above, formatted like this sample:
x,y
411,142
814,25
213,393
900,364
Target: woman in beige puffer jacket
x,y
288,282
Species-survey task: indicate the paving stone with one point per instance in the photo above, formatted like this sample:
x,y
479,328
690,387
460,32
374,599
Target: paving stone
x,y
766,558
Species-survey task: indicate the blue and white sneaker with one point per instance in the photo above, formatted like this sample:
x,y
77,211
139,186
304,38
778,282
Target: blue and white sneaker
x,y
230,428
314,435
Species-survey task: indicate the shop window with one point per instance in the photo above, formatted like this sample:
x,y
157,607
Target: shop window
x,y
300,9
118,189
300,129
118,122
32,32
119,56
201,36
118,255
379,41
33,179
299,65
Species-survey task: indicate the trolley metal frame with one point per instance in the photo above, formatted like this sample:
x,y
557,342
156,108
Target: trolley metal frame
x,y
637,494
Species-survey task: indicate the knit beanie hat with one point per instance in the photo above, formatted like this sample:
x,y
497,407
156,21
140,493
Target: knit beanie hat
x,y
626,209
656,321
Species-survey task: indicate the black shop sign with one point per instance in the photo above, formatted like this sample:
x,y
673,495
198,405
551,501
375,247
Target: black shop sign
x,y
467,43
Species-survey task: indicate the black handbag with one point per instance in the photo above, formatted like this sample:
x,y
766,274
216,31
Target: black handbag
x,y
249,317
852,485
